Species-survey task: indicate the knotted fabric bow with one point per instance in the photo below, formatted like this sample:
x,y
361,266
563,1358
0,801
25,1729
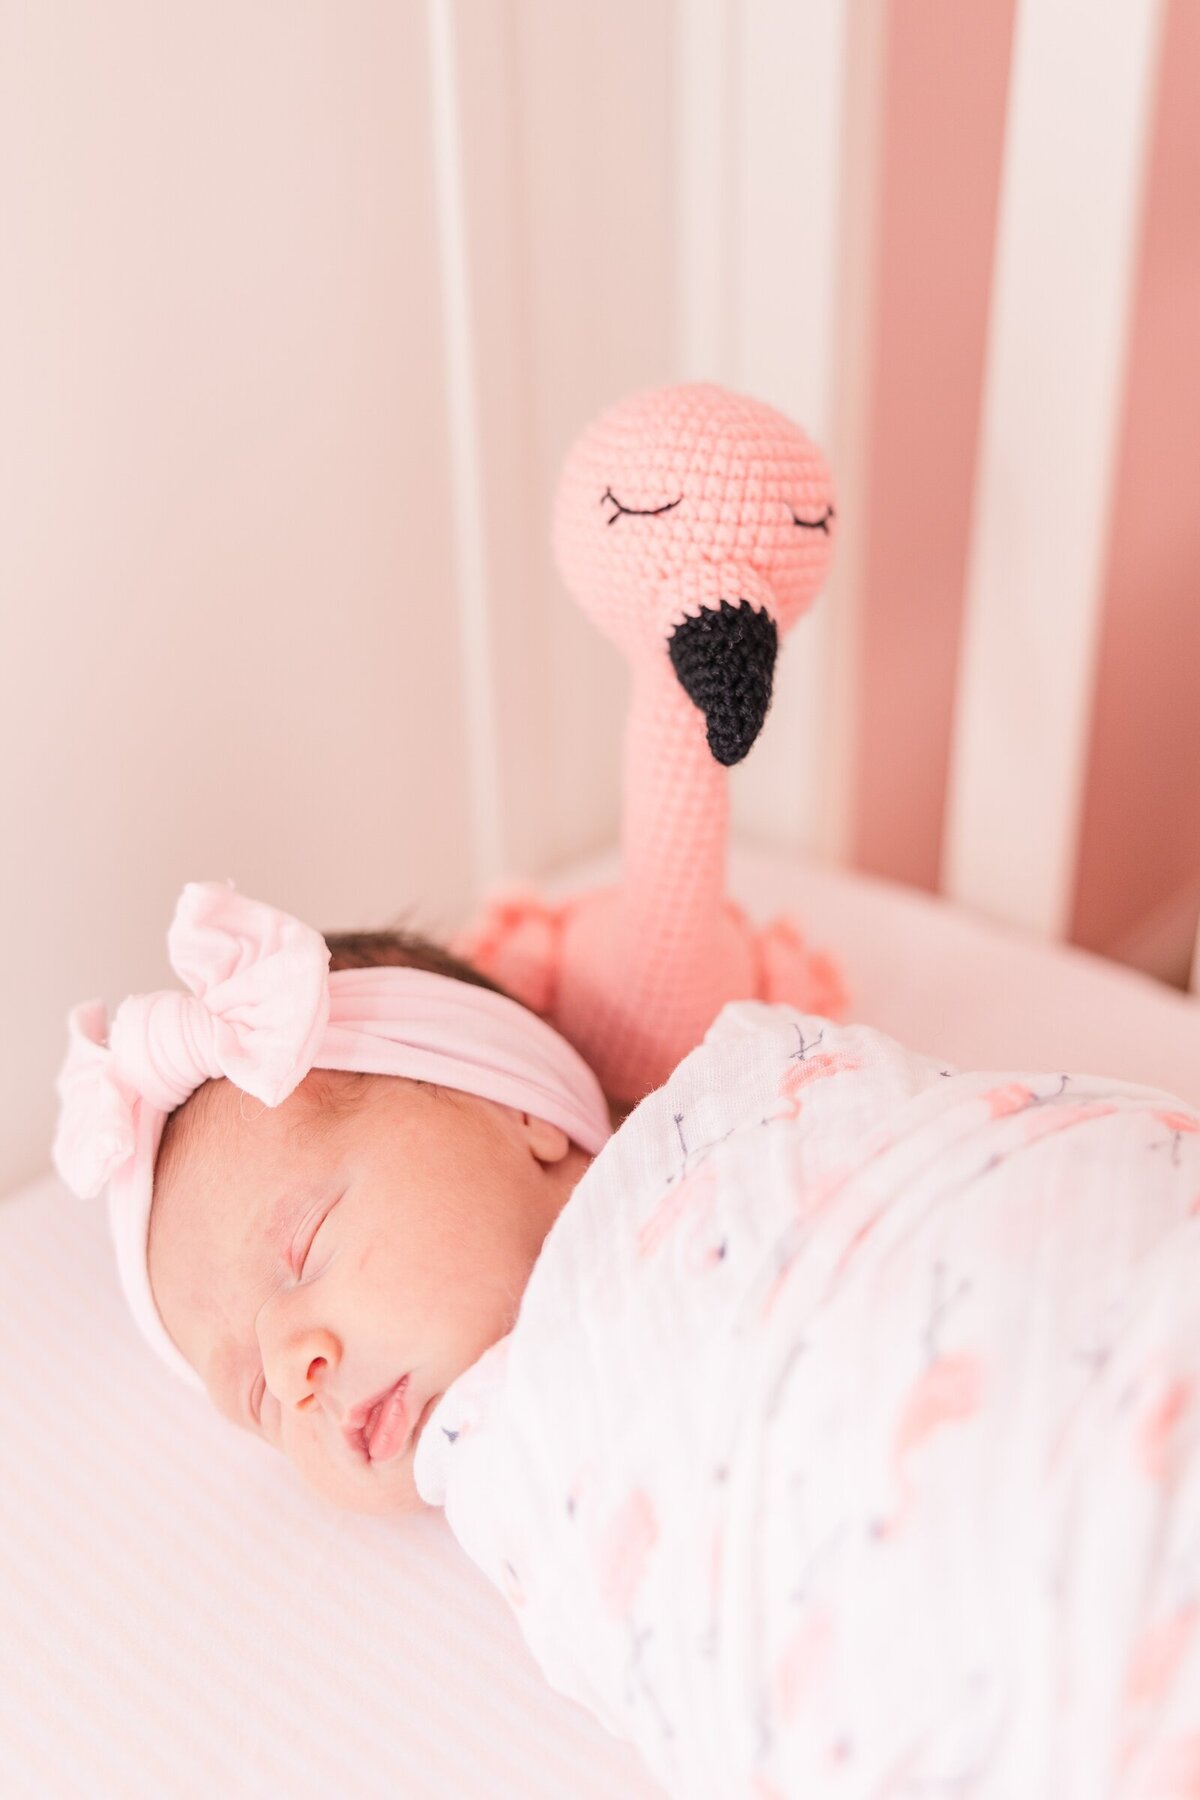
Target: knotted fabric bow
x,y
263,1009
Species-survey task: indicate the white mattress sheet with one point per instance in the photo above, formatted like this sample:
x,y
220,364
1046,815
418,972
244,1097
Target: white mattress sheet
x,y
179,1617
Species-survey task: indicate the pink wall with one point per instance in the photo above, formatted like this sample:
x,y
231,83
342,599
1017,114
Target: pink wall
x,y
941,144
945,85
227,564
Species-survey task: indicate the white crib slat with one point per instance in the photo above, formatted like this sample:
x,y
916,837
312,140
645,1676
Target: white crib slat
x,y
597,324
474,103
790,79
705,148
1052,408
785,255
553,162
759,162
1067,236
463,424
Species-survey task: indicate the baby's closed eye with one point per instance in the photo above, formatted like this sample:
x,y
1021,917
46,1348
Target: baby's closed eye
x,y
310,1232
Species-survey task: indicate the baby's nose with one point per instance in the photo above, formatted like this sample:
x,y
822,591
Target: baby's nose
x,y
298,1369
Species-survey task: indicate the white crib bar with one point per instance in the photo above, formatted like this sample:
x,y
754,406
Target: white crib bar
x,y
1081,102
758,159
472,585
705,147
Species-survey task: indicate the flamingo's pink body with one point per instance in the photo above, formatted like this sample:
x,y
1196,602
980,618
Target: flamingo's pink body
x,y
694,526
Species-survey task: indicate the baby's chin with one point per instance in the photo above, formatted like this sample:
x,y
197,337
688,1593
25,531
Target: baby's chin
x,y
376,1493
378,1505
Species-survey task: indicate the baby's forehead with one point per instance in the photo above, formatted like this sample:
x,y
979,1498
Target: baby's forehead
x,y
225,1146
228,1114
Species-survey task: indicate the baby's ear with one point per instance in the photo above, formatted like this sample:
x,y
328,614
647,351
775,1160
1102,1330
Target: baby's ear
x,y
549,1143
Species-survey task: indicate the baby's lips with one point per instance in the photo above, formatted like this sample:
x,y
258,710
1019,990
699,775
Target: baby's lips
x,y
354,1426
390,1423
398,1428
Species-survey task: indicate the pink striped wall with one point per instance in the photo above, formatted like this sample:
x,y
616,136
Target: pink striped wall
x,y
941,143
945,83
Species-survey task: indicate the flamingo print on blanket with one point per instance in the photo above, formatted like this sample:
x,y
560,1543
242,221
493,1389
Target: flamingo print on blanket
x,y
847,1441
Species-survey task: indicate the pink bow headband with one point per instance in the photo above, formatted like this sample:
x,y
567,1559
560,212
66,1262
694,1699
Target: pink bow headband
x,y
263,1010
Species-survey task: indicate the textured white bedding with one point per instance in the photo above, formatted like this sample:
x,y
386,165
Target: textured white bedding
x,y
179,1617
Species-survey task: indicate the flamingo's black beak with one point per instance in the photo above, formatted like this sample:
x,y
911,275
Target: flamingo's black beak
x,y
725,661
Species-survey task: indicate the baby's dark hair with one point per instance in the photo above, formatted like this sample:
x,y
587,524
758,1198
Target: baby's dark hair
x,y
394,948
402,950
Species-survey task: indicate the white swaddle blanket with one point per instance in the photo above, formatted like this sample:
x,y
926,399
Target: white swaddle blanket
x,y
848,1438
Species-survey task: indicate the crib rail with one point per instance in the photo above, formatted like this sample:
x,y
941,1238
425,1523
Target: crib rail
x,y
303,314
774,202
1054,386
793,237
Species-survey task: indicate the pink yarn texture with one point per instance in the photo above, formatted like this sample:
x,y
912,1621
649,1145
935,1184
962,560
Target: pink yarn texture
x,y
693,526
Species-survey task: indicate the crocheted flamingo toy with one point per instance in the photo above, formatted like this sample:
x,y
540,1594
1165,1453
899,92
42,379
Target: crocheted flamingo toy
x,y
693,526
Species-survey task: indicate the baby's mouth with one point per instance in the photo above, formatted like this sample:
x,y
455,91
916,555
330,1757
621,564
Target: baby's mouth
x,y
378,1428
388,1428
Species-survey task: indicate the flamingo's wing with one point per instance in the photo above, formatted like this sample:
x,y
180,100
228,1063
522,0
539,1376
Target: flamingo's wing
x,y
515,939
792,972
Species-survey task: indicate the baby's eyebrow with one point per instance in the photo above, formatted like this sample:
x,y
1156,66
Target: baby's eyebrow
x,y
285,1213
282,1218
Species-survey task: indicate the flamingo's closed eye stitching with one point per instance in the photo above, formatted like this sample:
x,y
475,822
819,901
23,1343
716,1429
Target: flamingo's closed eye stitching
x,y
821,524
644,512
650,512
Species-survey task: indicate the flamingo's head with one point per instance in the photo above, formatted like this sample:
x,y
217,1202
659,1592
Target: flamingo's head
x,y
696,525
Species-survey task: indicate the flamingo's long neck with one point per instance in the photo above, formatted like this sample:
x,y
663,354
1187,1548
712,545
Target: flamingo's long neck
x,y
674,830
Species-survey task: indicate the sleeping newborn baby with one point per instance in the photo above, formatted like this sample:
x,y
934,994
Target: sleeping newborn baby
x,y
324,1203
833,1426
331,1265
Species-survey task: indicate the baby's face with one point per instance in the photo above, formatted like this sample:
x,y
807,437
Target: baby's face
x,y
307,1257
